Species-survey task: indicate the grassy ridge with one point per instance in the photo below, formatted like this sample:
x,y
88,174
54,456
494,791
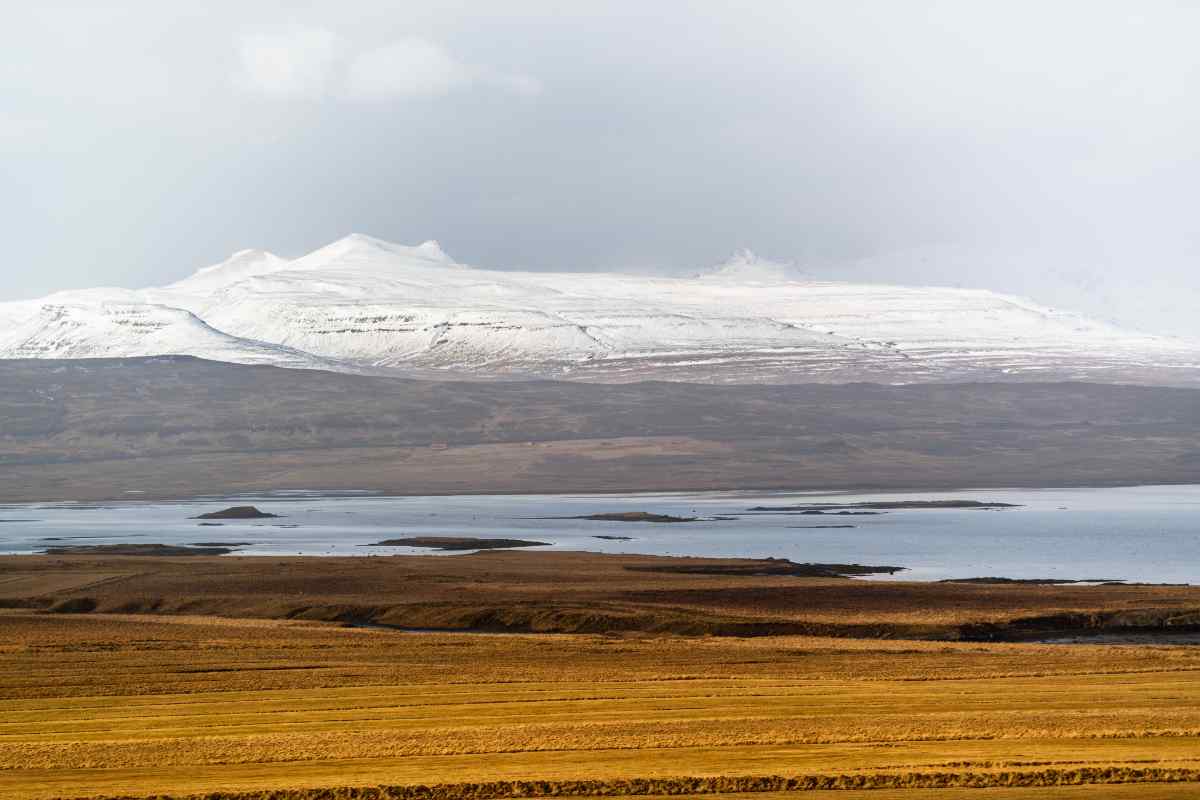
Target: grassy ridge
x,y
565,592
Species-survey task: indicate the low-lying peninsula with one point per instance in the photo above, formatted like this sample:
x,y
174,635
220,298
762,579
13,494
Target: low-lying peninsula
x,y
457,543
136,550
630,516
884,505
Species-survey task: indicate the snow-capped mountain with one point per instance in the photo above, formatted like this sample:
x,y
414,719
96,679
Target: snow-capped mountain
x,y
363,304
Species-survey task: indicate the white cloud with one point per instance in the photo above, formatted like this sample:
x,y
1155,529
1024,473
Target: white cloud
x,y
419,68
407,68
313,62
295,63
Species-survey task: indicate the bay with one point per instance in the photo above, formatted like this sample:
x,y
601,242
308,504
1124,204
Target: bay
x,y
1138,534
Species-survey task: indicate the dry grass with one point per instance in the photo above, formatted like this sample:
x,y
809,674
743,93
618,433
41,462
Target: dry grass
x,y
135,705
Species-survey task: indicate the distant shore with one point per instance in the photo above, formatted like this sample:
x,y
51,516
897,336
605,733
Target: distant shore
x,y
286,493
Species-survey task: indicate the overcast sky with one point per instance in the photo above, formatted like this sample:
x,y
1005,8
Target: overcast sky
x,y
1044,148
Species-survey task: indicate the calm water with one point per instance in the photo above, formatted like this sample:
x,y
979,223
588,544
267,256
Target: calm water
x,y
1149,533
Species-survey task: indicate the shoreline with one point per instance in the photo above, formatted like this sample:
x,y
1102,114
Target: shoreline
x,y
298,494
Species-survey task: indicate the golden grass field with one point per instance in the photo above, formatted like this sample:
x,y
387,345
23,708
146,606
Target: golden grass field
x,y
112,705
176,704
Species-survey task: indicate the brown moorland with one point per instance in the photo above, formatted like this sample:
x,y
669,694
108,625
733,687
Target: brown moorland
x,y
575,592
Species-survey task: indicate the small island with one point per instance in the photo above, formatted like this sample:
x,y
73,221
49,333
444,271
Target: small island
x,y
876,506
456,543
135,550
630,516
818,527
238,512
760,567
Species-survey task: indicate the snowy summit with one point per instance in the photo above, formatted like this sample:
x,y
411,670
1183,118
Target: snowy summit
x,y
362,303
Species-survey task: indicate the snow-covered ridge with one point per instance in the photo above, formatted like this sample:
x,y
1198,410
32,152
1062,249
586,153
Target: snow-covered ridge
x,y
115,330
362,303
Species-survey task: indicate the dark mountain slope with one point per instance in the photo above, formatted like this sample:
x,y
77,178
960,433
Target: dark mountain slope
x,y
181,426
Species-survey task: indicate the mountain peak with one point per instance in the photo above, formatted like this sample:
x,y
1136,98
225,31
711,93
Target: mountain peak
x,y
744,265
239,266
358,251
360,240
432,250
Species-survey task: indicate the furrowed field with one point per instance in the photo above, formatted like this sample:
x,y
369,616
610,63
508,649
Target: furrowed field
x,y
125,705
